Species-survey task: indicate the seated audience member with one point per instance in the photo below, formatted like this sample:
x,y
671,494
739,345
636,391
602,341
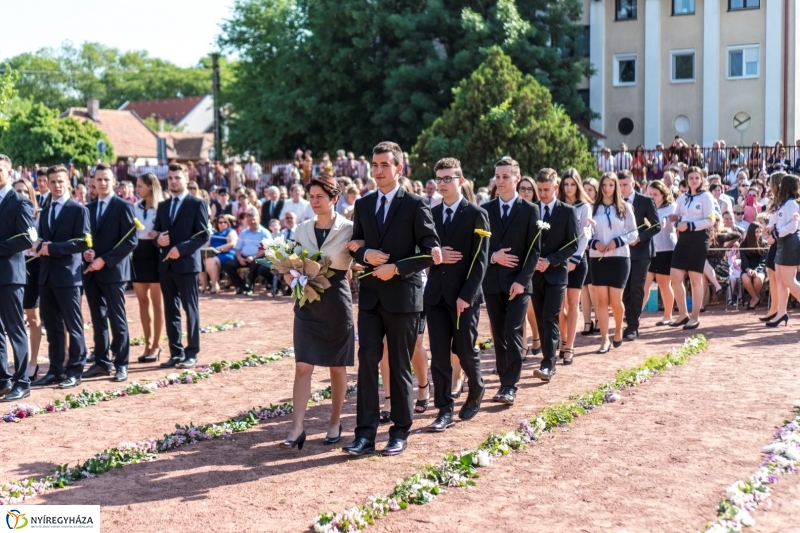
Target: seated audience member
x,y
223,239
290,223
247,250
753,263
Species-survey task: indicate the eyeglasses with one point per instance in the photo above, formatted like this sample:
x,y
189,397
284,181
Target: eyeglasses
x,y
526,189
446,179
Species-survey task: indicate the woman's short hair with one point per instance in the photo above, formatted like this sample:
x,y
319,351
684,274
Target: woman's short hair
x,y
326,183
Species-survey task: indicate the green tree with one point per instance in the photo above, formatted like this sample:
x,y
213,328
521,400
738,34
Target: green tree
x,y
499,111
346,73
35,134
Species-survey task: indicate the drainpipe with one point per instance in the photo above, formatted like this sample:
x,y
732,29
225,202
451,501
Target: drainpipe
x,y
786,70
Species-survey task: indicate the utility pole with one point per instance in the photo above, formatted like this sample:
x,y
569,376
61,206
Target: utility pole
x,y
215,93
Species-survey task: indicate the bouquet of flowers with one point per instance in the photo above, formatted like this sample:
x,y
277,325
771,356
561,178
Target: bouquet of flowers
x,y
309,273
277,249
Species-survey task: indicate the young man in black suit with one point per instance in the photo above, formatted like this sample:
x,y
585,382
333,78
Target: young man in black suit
x,y
63,225
507,284
107,271
550,281
16,217
394,225
453,294
642,251
182,224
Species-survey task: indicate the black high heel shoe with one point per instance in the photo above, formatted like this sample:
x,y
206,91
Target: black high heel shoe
x,y
289,444
150,358
590,331
562,350
768,317
35,374
617,344
332,440
536,351
784,319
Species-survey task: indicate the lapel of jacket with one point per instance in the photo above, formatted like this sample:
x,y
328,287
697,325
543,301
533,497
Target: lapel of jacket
x,y
558,207
516,206
93,207
59,218
179,210
338,223
493,209
457,217
370,201
398,198
7,200
110,205
309,236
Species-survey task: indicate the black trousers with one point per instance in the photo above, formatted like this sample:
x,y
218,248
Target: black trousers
x,y
633,296
547,300
107,304
444,339
400,331
61,308
181,290
506,318
232,265
12,322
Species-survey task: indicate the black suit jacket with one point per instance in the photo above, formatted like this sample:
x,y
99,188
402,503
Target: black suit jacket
x,y
188,233
16,216
450,281
270,210
62,268
408,231
645,209
563,229
115,224
519,232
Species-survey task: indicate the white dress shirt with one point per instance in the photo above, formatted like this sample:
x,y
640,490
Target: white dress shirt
x,y
4,192
609,227
55,207
453,207
181,197
696,210
784,219
665,239
102,206
389,197
550,206
147,217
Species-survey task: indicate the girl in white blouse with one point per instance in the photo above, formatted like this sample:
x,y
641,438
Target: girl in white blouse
x,y
693,216
787,256
664,242
774,281
614,229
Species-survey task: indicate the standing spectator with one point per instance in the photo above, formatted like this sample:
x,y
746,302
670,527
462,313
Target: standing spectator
x,y
623,160
340,166
432,198
716,160
161,170
352,166
252,172
363,168
755,159
306,167
605,163
79,194
297,204
781,163
346,207
639,165
736,157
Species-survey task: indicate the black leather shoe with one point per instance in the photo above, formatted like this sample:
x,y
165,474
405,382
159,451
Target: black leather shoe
x,y
545,374
695,325
48,379
171,362
501,392
631,336
121,374
333,440
5,389
683,322
189,362
471,406
508,397
95,371
360,446
394,447
442,422
617,344
70,382
16,394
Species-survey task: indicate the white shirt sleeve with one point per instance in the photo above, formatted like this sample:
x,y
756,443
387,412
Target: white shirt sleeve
x,y
786,222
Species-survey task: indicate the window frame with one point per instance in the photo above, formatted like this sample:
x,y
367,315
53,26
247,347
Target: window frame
x,y
742,48
731,8
682,52
616,70
693,12
617,10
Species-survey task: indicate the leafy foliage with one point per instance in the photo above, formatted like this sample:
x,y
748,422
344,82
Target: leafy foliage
x,y
499,111
346,73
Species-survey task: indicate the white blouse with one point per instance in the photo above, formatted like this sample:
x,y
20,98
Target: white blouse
x,y
582,210
609,227
665,239
147,217
696,210
785,223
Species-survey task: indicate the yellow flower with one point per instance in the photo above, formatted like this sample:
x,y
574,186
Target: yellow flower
x,y
138,224
483,232
88,239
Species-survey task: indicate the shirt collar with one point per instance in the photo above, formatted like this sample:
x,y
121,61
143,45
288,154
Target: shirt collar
x,y
182,196
510,202
61,201
389,195
454,204
551,205
5,190
631,197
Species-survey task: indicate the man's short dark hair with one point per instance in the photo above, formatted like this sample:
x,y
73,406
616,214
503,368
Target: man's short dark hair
x,y
102,167
389,147
448,162
178,167
508,162
624,174
55,169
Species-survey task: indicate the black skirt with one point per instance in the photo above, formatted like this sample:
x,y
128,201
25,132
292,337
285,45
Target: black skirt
x,y
30,298
788,252
610,272
324,334
144,262
661,263
577,277
773,249
691,251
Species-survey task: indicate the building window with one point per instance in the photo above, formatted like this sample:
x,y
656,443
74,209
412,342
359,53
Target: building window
x,y
682,66
735,5
581,45
683,7
743,61
625,126
584,94
624,70
626,9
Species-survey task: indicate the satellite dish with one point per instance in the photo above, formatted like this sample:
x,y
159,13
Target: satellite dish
x,y
741,121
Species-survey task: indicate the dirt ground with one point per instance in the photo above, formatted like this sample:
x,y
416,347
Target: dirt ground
x,y
659,460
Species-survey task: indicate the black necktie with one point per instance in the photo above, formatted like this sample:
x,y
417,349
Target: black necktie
x,y
546,217
381,214
173,208
100,212
288,234
503,218
628,200
53,215
448,219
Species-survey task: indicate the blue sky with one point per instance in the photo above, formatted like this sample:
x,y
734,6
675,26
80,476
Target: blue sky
x,y
181,31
